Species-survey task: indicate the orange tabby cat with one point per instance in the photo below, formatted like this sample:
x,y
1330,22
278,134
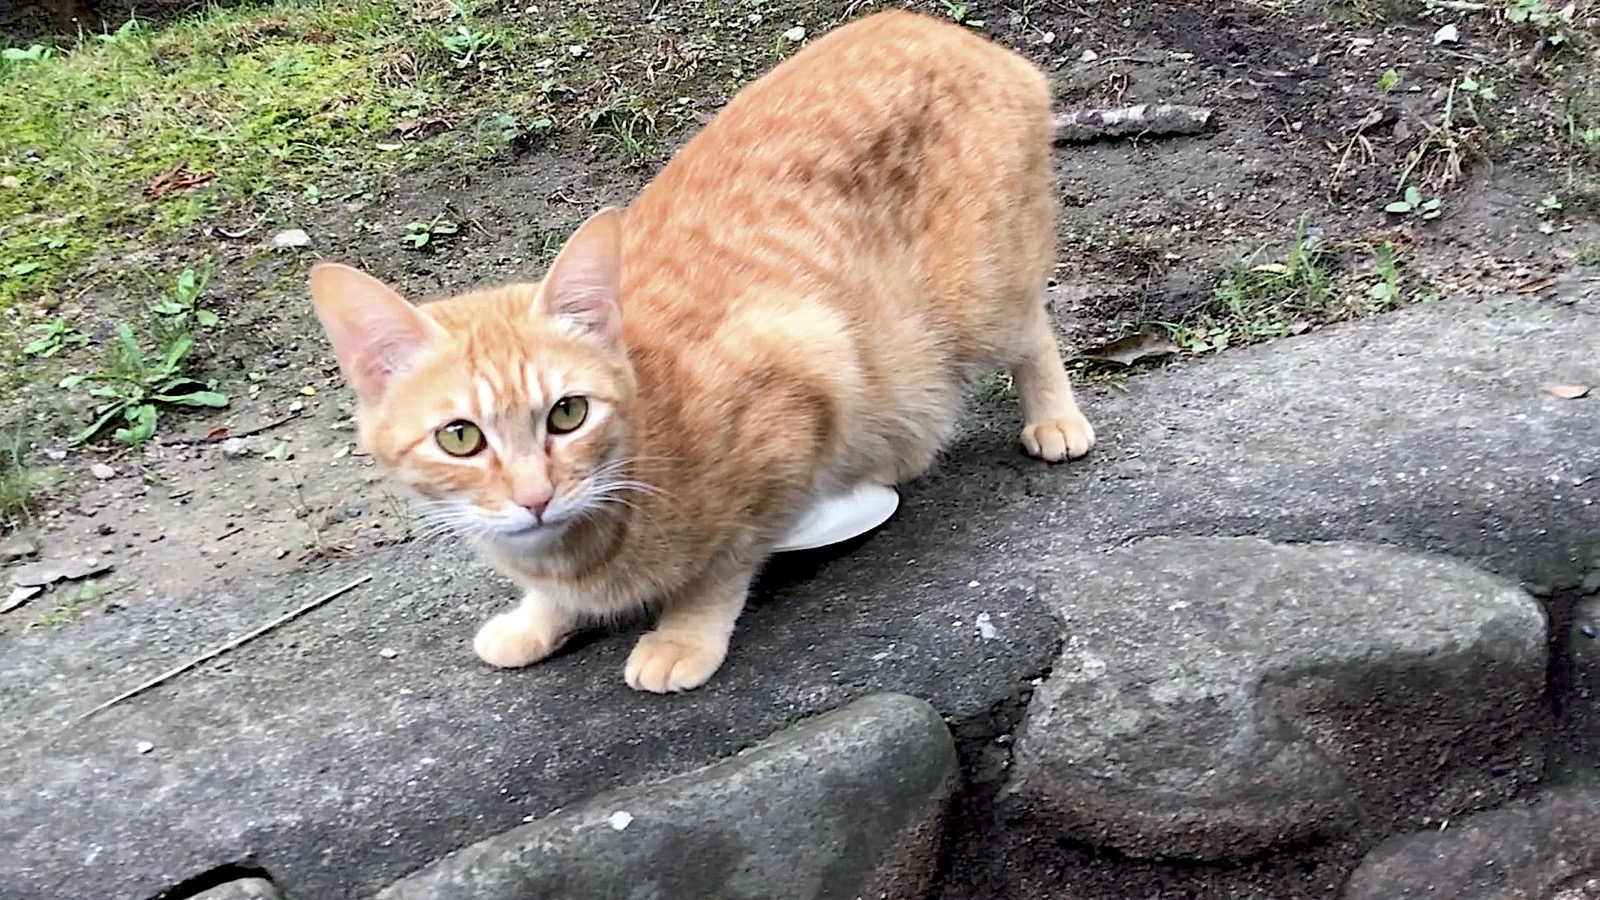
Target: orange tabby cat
x,y
794,307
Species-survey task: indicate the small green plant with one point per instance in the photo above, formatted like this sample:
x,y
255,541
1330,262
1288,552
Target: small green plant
x,y
1549,208
52,337
1480,89
1589,255
18,482
960,13
131,390
1412,203
1386,267
1388,81
1550,24
425,234
1262,300
31,53
182,303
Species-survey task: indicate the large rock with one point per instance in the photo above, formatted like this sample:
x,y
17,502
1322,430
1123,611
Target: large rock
x,y
338,769
1549,850
1219,697
1578,688
850,804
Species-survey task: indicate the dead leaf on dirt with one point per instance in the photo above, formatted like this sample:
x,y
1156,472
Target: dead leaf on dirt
x,y
1133,348
19,596
48,572
279,451
418,129
1536,285
177,178
1566,391
218,433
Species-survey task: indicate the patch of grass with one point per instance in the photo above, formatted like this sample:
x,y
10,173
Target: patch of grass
x,y
132,136
18,483
1589,255
1279,292
70,600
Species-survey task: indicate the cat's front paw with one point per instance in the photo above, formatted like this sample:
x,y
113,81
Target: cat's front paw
x,y
1063,437
517,638
663,664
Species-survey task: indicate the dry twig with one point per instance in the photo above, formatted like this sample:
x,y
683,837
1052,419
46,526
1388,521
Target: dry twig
x,y
1145,119
236,642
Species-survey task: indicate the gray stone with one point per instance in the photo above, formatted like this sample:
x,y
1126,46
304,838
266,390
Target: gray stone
x,y
1545,851
1219,697
242,889
340,771
1579,701
849,804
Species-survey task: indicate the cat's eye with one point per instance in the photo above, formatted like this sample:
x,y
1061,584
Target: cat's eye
x,y
567,415
460,438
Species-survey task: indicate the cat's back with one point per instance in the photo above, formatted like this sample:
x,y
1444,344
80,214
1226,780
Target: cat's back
x,y
794,179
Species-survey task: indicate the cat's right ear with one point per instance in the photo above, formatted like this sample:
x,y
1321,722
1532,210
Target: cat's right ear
x,y
375,332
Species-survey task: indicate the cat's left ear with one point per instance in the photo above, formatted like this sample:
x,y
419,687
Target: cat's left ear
x,y
584,284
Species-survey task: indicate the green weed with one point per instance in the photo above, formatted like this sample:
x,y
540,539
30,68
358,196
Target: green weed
x,y
18,483
51,337
1278,294
1412,203
131,390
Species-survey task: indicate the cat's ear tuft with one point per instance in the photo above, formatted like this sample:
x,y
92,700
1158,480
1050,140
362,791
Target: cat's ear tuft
x,y
584,284
375,332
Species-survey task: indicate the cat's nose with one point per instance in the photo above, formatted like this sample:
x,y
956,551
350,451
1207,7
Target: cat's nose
x,y
533,500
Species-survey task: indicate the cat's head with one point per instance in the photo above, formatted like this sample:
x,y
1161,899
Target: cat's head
x,y
504,411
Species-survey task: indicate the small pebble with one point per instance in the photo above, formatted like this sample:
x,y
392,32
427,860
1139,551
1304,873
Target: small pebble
x,y
102,471
1587,629
388,653
352,512
796,33
144,746
620,820
105,528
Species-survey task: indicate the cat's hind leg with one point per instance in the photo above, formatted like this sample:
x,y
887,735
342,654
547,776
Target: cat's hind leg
x,y
1053,428
690,640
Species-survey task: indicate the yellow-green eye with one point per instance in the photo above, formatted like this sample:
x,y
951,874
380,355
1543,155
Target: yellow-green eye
x,y
567,415
460,438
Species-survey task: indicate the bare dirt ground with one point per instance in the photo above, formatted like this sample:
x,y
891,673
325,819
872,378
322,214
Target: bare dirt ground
x,y
1310,141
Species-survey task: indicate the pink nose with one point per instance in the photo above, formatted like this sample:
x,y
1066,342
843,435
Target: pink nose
x,y
533,500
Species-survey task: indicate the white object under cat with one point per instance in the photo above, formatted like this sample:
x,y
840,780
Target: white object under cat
x,y
837,519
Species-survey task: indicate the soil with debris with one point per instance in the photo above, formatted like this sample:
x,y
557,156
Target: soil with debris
x,y
1302,137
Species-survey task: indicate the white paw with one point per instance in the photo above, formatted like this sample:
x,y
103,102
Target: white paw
x,y
1064,437
662,664
514,639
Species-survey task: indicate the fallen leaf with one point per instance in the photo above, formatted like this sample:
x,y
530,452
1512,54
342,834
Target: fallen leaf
x,y
1447,34
102,471
218,433
177,178
1132,348
19,596
49,572
1566,391
279,451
